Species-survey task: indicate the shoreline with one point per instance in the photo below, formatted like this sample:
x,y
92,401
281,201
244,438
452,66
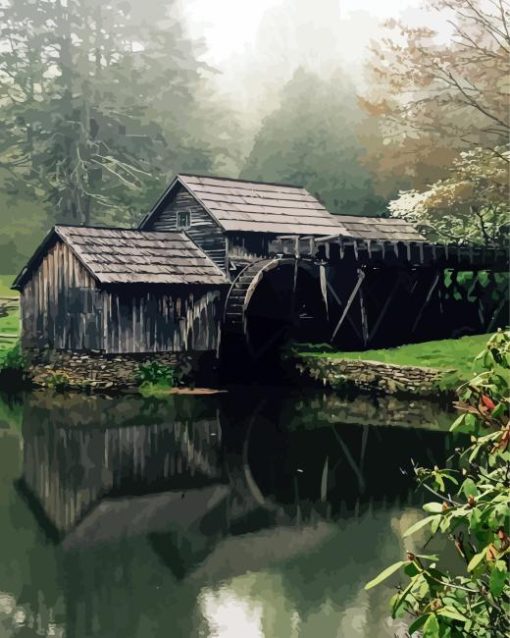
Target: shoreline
x,y
363,375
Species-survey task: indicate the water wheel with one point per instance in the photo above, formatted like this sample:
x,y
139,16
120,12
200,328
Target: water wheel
x,y
276,300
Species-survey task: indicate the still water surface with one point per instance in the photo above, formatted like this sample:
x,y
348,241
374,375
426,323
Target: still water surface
x,y
252,514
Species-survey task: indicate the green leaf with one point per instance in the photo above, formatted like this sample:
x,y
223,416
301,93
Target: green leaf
x,y
476,560
386,573
431,627
439,481
418,525
411,570
469,488
437,508
497,580
417,624
451,612
457,423
499,410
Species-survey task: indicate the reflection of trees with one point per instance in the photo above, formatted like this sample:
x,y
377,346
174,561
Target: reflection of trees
x,y
29,592
120,589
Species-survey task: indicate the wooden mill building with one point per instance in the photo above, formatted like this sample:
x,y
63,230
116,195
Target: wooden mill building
x,y
261,263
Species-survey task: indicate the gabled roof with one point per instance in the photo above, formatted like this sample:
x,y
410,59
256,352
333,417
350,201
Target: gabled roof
x,y
114,256
245,206
379,228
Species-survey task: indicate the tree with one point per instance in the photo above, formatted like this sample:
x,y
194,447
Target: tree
x,y
471,511
436,98
472,204
310,140
99,106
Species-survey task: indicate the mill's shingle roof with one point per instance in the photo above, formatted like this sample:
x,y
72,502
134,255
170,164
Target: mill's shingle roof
x,y
115,256
379,228
240,205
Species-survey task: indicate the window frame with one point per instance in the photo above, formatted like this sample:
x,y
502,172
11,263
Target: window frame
x,y
186,214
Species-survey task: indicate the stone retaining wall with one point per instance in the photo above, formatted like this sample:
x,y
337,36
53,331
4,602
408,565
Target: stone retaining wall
x,y
371,376
100,372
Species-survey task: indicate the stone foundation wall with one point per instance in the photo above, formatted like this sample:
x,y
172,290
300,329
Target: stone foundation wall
x,y
97,371
371,376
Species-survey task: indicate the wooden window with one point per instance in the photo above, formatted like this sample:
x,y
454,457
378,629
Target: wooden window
x,y
183,219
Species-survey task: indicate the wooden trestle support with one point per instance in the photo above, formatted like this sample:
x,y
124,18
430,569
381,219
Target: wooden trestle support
x,y
357,296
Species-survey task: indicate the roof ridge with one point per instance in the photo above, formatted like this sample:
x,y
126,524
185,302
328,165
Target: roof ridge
x,y
241,180
120,228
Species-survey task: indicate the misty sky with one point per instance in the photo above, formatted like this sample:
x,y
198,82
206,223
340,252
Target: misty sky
x,y
231,26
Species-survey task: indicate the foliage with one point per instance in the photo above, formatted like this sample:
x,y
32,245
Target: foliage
x,y
472,204
5,286
156,373
13,368
310,140
13,359
57,381
471,510
99,106
434,96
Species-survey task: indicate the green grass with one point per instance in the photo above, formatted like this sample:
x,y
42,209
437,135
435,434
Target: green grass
x,y
5,286
9,325
458,354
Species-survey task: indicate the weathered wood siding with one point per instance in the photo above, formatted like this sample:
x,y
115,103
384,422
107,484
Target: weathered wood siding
x,y
61,304
203,230
63,308
248,247
176,321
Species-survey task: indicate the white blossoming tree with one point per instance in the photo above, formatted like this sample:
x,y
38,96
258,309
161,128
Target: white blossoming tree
x,y
471,205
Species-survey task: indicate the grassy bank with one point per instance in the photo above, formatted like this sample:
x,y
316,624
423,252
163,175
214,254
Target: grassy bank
x,y
9,325
447,354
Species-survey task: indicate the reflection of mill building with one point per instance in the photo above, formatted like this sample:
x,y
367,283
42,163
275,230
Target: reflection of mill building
x,y
70,468
125,468
253,262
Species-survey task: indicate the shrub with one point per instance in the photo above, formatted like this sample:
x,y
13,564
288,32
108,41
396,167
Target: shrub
x,y
14,359
153,372
471,511
58,381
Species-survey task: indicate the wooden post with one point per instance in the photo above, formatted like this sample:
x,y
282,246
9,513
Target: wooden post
x,y
341,246
427,300
324,287
361,276
364,318
496,312
385,307
294,286
340,304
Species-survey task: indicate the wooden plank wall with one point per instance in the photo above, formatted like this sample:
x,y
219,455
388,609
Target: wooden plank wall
x,y
161,322
247,247
62,308
204,231
60,304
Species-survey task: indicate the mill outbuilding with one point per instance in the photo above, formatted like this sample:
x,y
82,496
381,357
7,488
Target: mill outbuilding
x,y
120,291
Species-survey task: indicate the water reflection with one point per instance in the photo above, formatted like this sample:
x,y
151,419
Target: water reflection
x,y
251,514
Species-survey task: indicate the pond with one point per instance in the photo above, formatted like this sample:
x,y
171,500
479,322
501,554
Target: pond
x,y
254,514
